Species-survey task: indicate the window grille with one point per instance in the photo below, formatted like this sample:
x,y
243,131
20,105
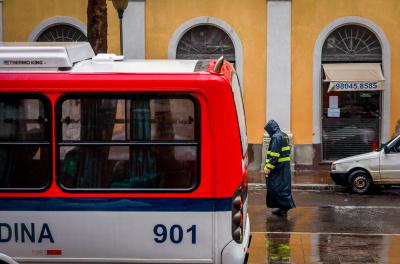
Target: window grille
x,y
352,43
62,33
205,42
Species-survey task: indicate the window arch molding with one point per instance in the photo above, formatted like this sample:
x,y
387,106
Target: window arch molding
x,y
343,21
205,20
58,20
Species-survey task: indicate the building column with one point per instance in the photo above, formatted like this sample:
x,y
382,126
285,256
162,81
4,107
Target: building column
x,y
134,30
1,20
279,51
279,62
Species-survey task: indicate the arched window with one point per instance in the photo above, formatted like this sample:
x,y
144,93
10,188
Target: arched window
x,y
350,118
352,43
62,33
205,42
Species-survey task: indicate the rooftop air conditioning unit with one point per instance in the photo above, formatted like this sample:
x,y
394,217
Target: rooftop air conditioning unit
x,y
43,55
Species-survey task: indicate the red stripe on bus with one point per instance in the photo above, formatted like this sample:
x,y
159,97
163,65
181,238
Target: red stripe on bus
x,y
54,252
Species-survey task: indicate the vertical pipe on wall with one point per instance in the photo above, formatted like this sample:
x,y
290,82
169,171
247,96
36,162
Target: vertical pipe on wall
x,y
278,95
279,63
1,20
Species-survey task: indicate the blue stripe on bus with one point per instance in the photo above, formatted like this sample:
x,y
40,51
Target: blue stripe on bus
x,y
116,204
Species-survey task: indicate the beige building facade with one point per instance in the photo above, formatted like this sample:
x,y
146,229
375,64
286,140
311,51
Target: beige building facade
x,y
280,49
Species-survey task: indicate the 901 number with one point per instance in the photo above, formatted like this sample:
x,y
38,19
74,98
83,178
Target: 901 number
x,y
175,233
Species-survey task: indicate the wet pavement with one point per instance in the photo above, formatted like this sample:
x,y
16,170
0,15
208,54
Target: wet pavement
x,y
324,248
327,227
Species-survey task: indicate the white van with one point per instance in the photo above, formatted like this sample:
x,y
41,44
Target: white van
x,y
361,172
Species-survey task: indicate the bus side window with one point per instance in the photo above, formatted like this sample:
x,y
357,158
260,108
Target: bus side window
x,y
128,142
70,167
25,142
120,175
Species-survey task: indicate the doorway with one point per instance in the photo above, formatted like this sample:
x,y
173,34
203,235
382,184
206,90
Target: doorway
x,y
351,120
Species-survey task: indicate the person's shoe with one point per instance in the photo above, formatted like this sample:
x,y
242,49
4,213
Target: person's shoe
x,y
279,211
275,210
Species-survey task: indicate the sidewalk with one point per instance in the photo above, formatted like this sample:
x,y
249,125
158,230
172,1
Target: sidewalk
x,y
301,180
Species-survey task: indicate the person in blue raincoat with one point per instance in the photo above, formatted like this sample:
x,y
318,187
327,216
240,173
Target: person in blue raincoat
x,y
277,170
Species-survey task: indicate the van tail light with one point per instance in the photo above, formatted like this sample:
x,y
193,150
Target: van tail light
x,y
237,216
375,144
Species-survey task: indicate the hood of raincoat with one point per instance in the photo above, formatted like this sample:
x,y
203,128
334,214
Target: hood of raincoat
x,y
271,127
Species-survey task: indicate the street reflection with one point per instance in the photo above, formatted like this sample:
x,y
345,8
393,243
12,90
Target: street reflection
x,y
280,248
278,245
327,228
283,242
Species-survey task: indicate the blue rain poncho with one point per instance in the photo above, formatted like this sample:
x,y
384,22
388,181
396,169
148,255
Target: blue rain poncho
x,y
279,189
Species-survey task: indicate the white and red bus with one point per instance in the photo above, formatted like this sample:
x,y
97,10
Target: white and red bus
x,y
106,160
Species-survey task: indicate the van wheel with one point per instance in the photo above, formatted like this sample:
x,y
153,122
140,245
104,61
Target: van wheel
x,y
360,182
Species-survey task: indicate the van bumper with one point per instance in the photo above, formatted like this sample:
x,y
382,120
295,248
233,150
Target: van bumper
x,y
339,177
238,253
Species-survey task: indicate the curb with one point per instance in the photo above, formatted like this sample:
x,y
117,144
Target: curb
x,y
307,186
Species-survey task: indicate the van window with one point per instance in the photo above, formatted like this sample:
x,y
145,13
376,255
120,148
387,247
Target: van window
x,y
237,95
145,142
396,146
24,142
